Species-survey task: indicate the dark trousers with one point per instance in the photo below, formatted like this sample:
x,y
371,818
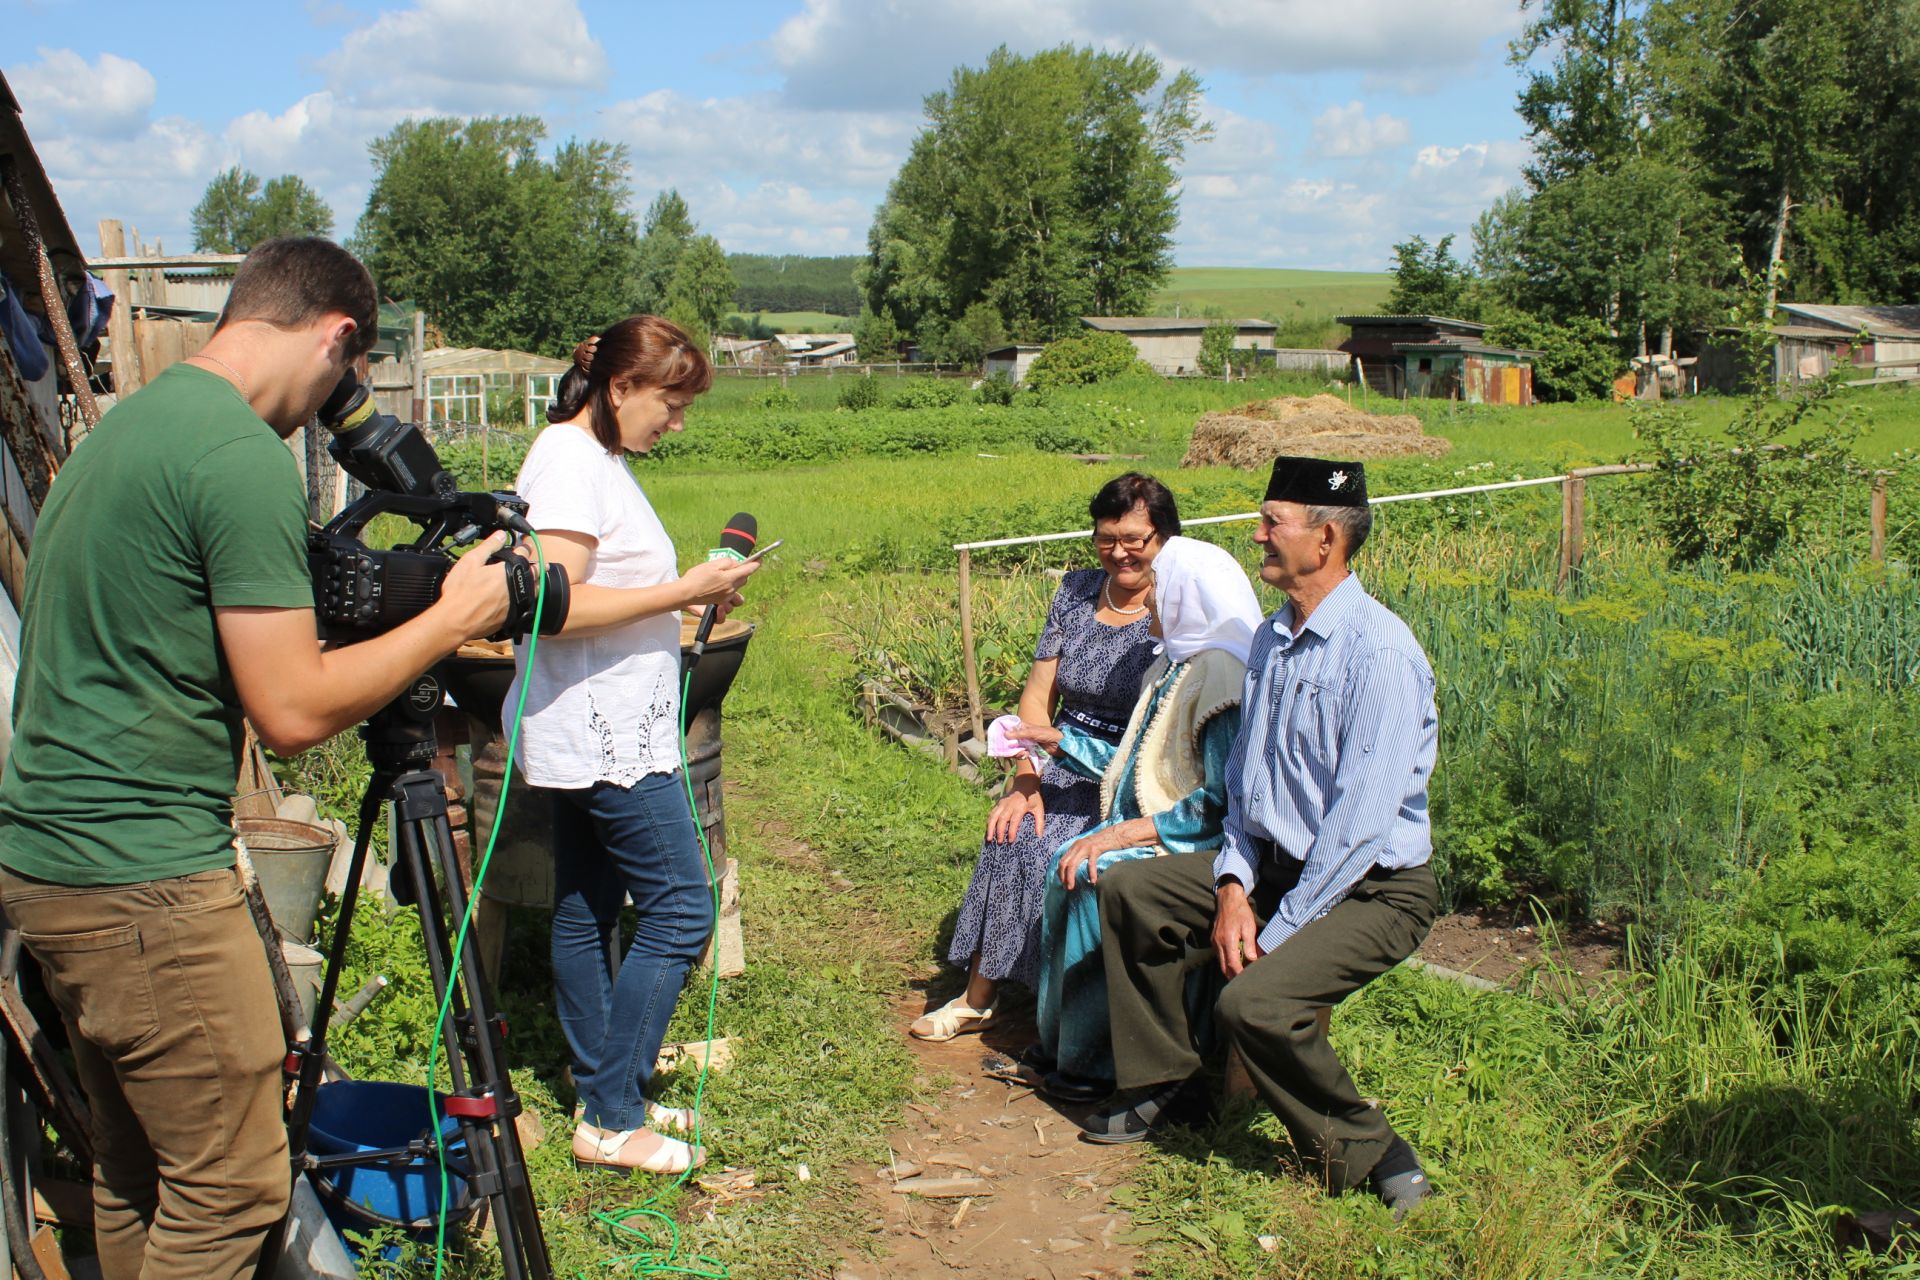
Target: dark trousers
x,y
612,843
1156,929
176,1035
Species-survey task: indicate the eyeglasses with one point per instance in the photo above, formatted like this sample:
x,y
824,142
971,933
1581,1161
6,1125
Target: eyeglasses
x,y
1108,541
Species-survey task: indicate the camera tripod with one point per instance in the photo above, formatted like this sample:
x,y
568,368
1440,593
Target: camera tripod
x,y
400,745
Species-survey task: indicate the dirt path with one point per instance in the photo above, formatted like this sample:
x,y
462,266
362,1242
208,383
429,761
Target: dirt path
x,y
1040,1209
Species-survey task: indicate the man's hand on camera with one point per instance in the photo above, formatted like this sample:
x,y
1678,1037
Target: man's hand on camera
x,y
717,582
474,595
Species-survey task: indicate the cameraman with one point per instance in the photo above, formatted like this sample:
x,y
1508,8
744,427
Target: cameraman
x,y
168,594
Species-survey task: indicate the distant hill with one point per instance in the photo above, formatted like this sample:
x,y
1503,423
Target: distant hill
x,y
789,282
1302,303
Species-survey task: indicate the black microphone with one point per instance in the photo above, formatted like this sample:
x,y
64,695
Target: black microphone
x,y
737,541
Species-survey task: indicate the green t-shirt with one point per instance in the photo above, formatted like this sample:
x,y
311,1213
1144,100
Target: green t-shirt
x,y
127,728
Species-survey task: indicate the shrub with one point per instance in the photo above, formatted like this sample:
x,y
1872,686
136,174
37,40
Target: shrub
x,y
1578,360
860,394
1742,498
1216,347
928,393
1093,356
997,390
777,397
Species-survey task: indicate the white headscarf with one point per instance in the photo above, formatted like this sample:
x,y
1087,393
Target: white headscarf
x,y
1204,600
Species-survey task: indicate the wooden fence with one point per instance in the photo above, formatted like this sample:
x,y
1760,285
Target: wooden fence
x,y
1573,539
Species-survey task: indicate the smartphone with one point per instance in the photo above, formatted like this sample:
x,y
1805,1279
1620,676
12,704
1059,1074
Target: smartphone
x,y
763,550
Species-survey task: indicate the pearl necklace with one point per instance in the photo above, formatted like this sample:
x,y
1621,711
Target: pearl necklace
x,y
1106,598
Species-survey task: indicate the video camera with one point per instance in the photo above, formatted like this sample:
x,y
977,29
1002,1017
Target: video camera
x,y
359,591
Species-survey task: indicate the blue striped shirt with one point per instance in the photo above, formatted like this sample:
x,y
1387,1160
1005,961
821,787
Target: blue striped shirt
x,y
1335,747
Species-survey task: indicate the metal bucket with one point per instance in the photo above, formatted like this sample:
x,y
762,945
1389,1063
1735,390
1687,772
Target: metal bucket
x,y
291,859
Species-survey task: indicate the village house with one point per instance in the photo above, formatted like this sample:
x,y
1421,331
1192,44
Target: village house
x,y
1437,357
1171,345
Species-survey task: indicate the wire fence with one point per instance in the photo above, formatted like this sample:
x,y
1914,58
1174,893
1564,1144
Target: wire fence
x,y
1573,534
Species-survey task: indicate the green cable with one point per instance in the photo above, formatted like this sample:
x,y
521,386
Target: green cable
x,y
647,1261
473,899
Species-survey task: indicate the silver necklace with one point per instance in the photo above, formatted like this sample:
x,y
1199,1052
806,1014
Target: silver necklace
x,y
1106,597
244,393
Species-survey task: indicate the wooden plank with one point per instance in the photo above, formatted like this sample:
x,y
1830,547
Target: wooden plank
x,y
1878,518
116,257
126,352
966,646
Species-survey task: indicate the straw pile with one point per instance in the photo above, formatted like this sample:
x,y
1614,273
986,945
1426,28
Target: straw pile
x,y
1324,426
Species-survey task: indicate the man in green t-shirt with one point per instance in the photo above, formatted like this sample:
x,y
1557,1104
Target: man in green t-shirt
x,y
167,594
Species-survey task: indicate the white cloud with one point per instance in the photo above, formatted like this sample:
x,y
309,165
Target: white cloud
x,y
468,56
1350,131
107,98
757,135
891,53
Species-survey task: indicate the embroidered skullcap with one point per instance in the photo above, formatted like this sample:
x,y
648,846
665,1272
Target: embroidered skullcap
x,y
1316,482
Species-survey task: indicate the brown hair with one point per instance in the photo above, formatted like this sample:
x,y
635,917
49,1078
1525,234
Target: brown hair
x,y
1123,493
291,281
640,351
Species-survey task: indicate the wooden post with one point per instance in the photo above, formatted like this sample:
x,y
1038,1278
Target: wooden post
x,y
1878,510
966,647
419,366
126,352
1567,553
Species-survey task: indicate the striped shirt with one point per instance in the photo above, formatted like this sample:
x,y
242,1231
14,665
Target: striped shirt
x,y
1331,764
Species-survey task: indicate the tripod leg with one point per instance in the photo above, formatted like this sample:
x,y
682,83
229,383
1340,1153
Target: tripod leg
x,y
484,1102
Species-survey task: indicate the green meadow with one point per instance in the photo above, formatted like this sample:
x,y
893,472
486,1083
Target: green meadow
x,y
1724,763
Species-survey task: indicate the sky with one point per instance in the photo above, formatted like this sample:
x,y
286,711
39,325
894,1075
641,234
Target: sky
x,y
1341,127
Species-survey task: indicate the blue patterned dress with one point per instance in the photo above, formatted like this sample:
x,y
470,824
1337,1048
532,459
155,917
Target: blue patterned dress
x,y
1098,680
1072,1011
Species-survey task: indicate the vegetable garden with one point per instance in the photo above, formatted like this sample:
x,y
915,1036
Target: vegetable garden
x,y
1724,761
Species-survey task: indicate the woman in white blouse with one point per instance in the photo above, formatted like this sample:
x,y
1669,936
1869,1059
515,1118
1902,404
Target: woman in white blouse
x,y
602,731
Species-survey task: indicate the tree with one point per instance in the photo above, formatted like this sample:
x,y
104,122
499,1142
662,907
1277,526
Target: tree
x,y
875,336
219,220
1091,355
236,212
666,233
1216,346
1042,186
501,247
701,289
1427,281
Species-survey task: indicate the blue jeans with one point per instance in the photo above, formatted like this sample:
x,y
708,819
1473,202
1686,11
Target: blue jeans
x,y
611,843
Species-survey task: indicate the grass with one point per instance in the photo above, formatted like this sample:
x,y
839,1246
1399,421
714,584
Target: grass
x,y
1302,303
801,321
1696,1126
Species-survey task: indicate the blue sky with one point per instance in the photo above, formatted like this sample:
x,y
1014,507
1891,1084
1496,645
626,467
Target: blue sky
x,y
1341,126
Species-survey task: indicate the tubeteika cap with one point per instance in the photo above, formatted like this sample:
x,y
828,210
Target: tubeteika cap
x,y
1316,482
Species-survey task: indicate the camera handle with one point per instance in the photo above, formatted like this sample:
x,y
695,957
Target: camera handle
x,y
400,745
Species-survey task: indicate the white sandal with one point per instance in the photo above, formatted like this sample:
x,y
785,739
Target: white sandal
x,y
601,1148
679,1119
953,1018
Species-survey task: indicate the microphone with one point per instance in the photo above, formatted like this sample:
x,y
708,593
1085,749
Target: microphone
x,y
736,543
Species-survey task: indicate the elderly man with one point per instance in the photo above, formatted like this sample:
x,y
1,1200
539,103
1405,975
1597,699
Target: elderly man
x,y
1322,883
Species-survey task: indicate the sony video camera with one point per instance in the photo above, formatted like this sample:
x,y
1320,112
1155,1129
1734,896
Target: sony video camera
x,y
359,591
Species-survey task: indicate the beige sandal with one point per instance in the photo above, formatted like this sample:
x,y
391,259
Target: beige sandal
x,y
604,1149
953,1018
679,1119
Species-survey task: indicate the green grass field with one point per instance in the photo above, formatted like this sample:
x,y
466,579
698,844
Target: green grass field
x,y
1302,303
804,321
1703,1123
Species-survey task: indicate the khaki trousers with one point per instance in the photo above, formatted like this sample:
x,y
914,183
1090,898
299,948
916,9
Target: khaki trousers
x,y
1156,918
176,1033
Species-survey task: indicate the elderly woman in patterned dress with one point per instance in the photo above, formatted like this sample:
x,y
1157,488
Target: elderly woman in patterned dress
x,y
1086,674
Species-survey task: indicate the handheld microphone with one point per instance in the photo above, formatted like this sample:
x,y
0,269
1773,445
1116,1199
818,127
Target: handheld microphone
x,y
736,543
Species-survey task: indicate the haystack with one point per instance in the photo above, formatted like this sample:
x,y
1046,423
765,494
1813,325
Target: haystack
x,y
1253,435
